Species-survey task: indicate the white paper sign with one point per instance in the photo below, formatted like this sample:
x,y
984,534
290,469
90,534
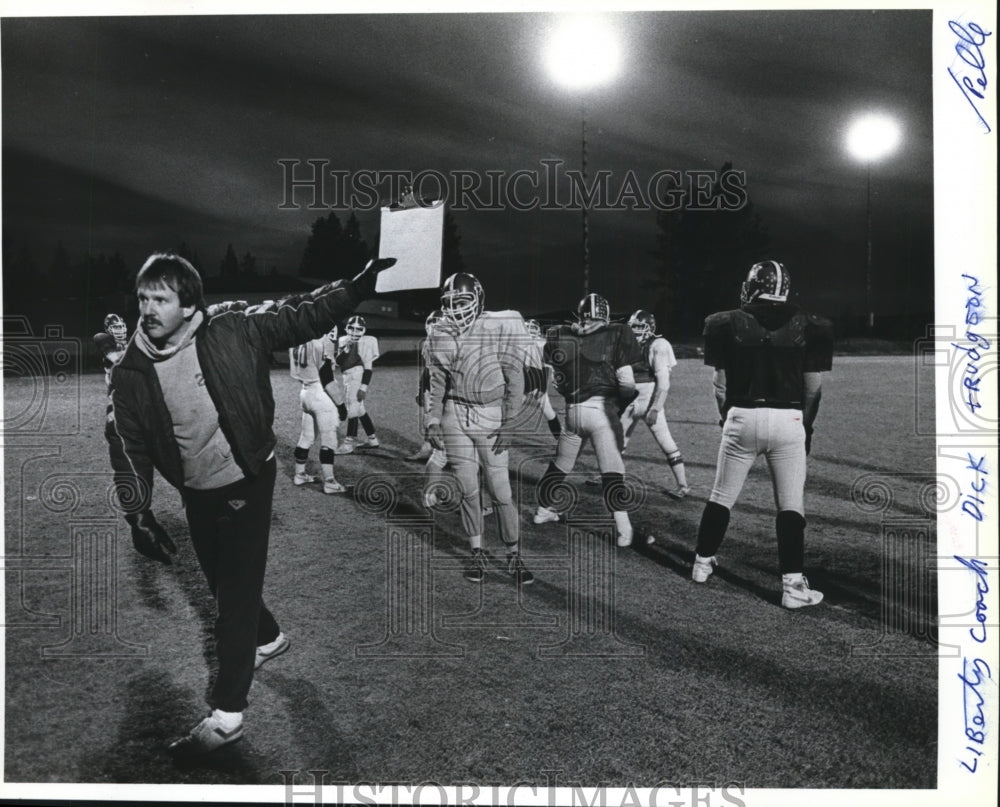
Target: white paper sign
x,y
414,237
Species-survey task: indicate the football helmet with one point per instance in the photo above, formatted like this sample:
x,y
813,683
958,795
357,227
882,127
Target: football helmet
x,y
462,299
115,325
432,321
643,325
355,328
768,281
594,307
533,328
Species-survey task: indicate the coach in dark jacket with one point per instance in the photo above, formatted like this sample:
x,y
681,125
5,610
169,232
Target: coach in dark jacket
x,y
191,397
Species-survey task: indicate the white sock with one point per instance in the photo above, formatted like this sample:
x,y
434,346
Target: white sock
x,y
228,720
476,541
792,578
622,522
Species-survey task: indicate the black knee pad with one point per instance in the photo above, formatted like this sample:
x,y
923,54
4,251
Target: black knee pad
x,y
549,486
301,454
326,455
790,525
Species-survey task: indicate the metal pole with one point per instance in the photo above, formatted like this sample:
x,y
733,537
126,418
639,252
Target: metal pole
x,y
583,163
868,272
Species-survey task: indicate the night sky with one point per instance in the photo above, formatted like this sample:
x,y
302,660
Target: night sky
x,y
138,133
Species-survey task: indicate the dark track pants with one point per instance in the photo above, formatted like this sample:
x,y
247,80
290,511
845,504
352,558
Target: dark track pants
x,y
230,527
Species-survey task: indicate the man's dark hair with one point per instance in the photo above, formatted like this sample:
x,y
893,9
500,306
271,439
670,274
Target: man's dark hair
x,y
174,272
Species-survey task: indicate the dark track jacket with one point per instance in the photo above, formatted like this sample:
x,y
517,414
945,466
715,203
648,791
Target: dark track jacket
x,y
234,350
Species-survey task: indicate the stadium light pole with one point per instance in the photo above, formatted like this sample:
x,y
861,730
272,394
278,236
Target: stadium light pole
x,y
583,53
871,137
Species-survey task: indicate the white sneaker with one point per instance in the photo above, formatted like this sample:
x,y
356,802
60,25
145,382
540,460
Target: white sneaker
x,y
703,568
797,594
625,536
543,515
331,485
430,499
372,442
487,509
304,479
215,731
679,493
346,446
268,651
594,481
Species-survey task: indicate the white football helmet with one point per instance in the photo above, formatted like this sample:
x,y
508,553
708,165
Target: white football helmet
x,y
643,325
115,325
462,299
593,307
355,328
432,321
534,328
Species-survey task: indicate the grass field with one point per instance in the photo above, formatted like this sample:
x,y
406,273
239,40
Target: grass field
x,y
613,668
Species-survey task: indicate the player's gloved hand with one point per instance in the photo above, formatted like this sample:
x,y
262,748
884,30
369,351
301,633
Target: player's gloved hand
x,y
341,411
420,400
149,538
105,343
365,279
435,436
651,417
502,439
625,396
809,439
361,395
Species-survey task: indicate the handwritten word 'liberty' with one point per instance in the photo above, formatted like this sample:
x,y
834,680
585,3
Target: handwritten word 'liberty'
x,y
970,50
975,717
970,382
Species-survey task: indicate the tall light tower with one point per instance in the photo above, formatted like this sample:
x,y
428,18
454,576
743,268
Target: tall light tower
x,y
583,53
871,137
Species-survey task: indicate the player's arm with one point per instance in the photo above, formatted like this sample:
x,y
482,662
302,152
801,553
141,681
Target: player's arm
x,y
368,353
719,389
661,375
513,338
627,391
811,393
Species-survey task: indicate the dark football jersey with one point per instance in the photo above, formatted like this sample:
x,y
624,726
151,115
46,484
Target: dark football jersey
x,y
765,350
585,363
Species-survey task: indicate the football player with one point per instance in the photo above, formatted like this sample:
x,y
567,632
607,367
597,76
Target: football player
x,y
592,359
111,342
423,401
769,357
652,379
537,380
356,354
476,391
310,364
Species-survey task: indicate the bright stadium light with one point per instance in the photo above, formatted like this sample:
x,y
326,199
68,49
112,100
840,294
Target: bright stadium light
x,y
582,53
872,137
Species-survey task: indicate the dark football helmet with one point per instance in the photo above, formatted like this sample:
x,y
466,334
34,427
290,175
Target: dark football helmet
x,y
643,325
767,281
462,299
594,307
115,325
355,328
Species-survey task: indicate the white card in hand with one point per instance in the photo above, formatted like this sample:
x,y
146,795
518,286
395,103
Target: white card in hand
x,y
414,237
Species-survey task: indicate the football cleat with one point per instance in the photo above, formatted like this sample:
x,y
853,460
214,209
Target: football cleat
x,y
517,569
643,325
210,734
422,454
355,328
679,493
476,572
371,442
594,308
115,325
462,299
346,446
304,479
625,536
702,568
331,485
768,281
797,594
268,651
543,515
